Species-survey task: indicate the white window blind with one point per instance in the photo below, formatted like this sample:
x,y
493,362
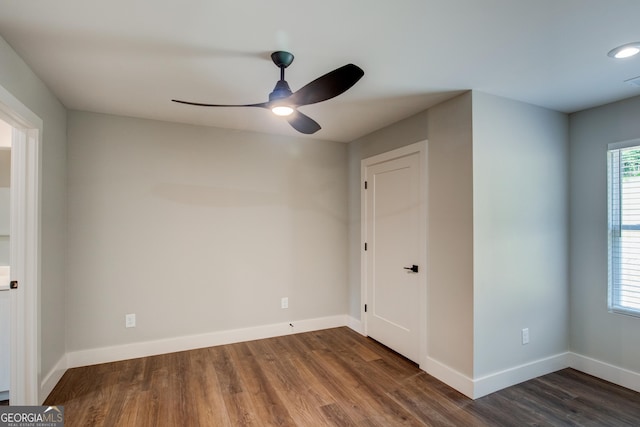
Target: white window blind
x,y
624,229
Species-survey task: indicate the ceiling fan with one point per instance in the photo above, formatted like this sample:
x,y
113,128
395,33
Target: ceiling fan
x,y
283,102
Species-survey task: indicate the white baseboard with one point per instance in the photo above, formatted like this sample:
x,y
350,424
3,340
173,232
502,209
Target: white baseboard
x,y
317,324
52,378
478,387
449,376
605,371
172,345
355,324
488,384
512,376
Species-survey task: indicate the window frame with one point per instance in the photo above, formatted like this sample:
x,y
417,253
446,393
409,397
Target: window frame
x,y
615,227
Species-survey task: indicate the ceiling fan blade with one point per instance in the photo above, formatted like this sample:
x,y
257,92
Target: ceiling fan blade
x,y
261,104
328,86
303,123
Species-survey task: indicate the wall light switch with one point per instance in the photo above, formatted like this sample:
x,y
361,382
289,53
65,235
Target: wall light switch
x,y
525,336
284,302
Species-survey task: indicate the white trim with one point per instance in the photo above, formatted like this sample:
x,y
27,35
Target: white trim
x,y
623,144
16,113
424,255
614,374
491,383
421,148
449,376
363,253
512,376
356,325
317,324
407,150
171,345
25,248
52,378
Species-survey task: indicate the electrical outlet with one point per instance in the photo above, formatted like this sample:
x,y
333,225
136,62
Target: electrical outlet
x,y
525,336
130,321
284,302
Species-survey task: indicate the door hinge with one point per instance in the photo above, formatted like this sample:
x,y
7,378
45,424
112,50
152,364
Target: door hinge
x,y
365,185
365,308
365,246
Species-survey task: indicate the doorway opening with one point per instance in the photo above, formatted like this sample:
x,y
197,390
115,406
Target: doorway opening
x,y
5,261
24,249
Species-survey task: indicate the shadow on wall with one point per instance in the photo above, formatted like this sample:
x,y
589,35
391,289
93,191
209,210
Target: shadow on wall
x,y
221,197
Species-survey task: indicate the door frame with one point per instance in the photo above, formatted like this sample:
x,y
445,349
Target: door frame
x,y
24,248
421,149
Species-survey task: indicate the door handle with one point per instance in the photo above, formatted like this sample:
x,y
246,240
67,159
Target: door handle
x,y
413,268
13,284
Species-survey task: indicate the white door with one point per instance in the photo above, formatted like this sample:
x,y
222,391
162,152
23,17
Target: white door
x,y
395,268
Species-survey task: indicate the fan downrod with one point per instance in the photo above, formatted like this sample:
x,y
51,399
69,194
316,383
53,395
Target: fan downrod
x,y
282,59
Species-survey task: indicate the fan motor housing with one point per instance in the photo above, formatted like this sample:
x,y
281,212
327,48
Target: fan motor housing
x,y
281,91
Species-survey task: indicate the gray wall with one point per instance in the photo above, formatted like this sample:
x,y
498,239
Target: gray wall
x,y
450,234
447,126
497,233
18,79
520,243
404,132
198,230
596,333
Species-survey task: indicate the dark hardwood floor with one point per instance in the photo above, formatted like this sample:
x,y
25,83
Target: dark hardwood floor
x,y
333,377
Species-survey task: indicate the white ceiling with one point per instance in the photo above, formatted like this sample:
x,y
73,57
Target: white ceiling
x,y
130,57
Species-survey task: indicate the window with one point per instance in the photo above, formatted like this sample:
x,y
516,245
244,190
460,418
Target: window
x,y
624,227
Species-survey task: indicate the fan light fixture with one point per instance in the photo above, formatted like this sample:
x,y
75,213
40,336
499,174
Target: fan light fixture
x,y
625,51
282,110
283,102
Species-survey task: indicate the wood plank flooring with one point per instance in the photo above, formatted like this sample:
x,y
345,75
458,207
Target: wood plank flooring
x,y
333,377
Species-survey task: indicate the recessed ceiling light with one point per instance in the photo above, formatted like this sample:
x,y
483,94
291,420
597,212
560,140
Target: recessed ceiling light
x,y
625,51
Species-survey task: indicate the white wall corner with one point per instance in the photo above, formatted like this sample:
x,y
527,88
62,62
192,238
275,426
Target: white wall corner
x,y
497,381
51,379
449,376
356,325
171,345
614,374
